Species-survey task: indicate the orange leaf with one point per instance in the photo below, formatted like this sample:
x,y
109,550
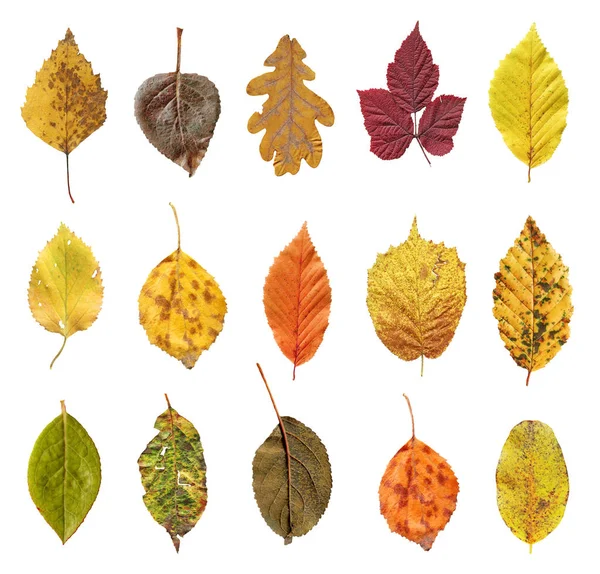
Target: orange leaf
x,y
418,491
297,299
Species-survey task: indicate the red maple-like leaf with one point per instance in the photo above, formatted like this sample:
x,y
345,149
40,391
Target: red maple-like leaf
x,y
391,115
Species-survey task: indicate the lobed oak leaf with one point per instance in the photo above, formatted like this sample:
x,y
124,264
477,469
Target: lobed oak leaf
x,y
532,482
173,474
418,491
532,300
291,477
289,114
181,306
64,474
529,100
390,116
297,299
178,114
66,104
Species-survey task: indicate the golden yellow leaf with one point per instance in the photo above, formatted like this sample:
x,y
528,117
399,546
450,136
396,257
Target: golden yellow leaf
x,y
528,100
532,300
66,104
532,482
290,112
65,289
181,306
416,294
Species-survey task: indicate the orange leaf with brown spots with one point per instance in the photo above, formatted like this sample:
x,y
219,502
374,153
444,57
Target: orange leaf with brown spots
x,y
297,299
418,491
181,306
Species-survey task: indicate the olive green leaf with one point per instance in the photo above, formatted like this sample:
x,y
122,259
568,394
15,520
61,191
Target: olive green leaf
x,y
532,482
174,474
64,474
291,477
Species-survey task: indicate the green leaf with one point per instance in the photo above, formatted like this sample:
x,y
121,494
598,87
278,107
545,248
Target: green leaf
x,y
64,474
174,475
291,477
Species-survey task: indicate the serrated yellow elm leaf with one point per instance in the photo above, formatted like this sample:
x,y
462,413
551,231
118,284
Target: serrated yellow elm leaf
x,y
415,295
532,482
181,306
532,300
64,474
65,288
529,100
174,475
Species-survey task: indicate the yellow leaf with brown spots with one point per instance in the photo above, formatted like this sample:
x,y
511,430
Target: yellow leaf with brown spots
x,y
532,482
181,306
290,112
532,300
418,491
66,104
416,294
65,289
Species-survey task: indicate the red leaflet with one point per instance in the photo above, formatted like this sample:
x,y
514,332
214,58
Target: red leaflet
x,y
412,79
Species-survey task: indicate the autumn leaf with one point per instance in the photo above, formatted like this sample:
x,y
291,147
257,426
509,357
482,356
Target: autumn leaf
x,y
532,300
65,288
532,482
418,491
181,306
66,104
297,299
528,100
391,115
291,477
290,112
178,114
174,475
416,294
64,474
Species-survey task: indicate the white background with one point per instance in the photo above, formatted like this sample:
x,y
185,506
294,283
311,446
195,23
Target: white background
x,y
236,216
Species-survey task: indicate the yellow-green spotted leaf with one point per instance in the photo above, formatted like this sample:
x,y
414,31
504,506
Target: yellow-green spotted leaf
x,y
528,100
64,474
65,288
174,475
532,481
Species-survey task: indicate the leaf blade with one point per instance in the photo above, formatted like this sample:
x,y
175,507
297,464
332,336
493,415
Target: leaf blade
x,y
439,124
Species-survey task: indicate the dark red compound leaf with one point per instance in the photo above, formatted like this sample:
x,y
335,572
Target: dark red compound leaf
x,y
390,127
439,124
390,115
412,77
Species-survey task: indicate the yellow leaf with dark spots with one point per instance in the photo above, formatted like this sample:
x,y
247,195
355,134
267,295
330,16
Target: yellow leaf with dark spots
x,y
66,104
532,300
416,294
65,289
532,482
181,306
290,112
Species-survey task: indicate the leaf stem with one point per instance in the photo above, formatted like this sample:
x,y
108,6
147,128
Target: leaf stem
x,y
60,351
422,363
168,403
69,180
412,418
527,381
178,228
288,538
179,33
416,136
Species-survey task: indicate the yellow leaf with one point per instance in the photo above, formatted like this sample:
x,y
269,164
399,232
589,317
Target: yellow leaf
x,y
65,289
290,113
532,300
66,104
181,306
528,99
416,294
532,482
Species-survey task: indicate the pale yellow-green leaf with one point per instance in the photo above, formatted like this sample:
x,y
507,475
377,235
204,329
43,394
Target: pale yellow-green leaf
x,y
532,481
65,288
528,100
